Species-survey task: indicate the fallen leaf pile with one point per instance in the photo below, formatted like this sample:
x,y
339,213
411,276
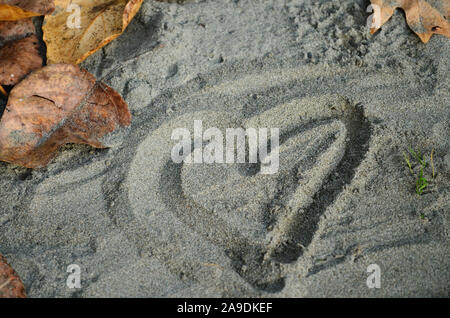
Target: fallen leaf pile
x,y
10,284
425,18
53,105
59,103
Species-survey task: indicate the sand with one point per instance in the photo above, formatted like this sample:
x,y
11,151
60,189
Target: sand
x,y
348,105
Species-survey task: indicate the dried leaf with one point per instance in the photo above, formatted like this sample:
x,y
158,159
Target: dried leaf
x,y
55,105
100,22
15,30
19,52
425,18
10,284
18,59
11,10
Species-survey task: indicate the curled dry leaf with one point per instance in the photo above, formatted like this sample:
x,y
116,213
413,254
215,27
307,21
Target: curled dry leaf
x,y
100,22
10,284
55,105
425,18
18,59
11,10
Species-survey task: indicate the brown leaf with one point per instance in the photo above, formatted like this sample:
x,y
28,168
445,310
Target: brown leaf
x,y
11,10
19,52
15,30
425,18
18,59
10,284
101,22
55,105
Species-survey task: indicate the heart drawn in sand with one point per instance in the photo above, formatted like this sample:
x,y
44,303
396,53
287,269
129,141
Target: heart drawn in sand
x,y
259,220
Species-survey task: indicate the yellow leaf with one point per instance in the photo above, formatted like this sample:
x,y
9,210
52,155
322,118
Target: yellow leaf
x,y
12,10
78,28
425,18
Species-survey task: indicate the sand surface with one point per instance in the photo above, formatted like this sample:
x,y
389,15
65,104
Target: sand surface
x,y
348,105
